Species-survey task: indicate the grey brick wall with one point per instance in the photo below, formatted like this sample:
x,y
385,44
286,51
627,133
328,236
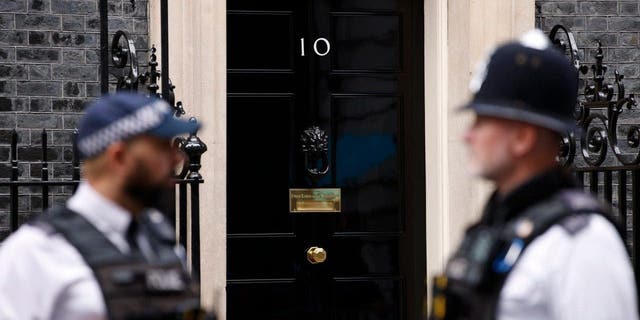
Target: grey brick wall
x,y
49,71
616,24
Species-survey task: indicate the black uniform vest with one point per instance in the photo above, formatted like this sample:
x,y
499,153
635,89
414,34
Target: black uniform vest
x,y
132,287
470,287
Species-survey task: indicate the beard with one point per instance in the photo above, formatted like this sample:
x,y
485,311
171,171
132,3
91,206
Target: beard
x,y
141,188
492,166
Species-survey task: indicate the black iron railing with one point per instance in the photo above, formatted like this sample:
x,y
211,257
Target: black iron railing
x,y
124,59
608,163
184,208
187,181
44,184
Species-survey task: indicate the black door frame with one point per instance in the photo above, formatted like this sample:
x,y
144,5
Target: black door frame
x,y
413,253
412,247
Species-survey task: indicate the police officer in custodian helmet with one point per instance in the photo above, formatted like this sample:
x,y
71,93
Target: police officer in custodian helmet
x,y
542,249
106,254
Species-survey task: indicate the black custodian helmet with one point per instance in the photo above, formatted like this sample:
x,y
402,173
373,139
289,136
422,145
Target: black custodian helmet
x,y
527,80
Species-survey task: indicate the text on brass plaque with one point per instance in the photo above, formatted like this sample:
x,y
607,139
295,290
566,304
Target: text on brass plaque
x,y
314,200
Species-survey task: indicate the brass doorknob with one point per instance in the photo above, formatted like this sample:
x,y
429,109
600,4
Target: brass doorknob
x,y
316,255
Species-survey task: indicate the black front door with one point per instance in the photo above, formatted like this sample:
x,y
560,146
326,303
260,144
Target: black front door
x,y
350,71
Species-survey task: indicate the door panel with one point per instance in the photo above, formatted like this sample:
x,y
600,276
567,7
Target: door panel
x,y
263,258
375,83
368,298
258,172
265,83
255,47
261,5
389,5
365,130
367,42
368,104
358,256
263,300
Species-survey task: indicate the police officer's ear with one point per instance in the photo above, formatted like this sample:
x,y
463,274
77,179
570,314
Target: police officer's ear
x,y
525,139
106,164
115,157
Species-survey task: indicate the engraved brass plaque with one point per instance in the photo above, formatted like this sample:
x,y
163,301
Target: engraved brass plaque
x,y
314,200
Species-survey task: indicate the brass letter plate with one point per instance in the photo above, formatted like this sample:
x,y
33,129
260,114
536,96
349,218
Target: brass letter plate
x,y
314,200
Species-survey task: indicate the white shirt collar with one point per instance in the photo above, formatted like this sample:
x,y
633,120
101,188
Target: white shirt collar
x,y
103,213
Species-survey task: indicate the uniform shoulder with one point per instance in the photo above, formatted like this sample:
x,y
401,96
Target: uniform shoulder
x,y
576,235
38,236
583,207
580,201
575,230
601,227
31,242
575,223
28,234
589,225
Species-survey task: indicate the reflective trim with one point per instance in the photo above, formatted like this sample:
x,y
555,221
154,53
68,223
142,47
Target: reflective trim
x,y
145,118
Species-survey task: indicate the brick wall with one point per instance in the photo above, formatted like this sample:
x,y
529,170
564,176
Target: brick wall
x,y
49,68
49,71
616,24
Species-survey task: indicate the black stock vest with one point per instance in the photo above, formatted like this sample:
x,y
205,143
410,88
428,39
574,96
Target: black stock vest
x,y
132,287
471,284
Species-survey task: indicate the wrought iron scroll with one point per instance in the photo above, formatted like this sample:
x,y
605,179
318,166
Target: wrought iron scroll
x,y
597,112
124,56
566,44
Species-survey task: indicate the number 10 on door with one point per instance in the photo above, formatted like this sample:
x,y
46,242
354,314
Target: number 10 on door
x,y
327,47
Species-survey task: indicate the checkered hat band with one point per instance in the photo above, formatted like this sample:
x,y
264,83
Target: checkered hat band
x,y
142,120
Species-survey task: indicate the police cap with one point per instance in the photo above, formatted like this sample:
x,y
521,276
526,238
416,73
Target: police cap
x,y
527,80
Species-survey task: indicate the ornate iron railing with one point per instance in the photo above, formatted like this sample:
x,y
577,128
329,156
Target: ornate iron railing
x,y
124,58
121,50
608,166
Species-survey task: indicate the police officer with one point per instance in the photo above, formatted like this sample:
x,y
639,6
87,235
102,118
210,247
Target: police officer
x,y
106,254
542,249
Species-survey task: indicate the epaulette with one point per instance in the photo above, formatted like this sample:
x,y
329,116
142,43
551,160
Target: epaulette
x,y
567,208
